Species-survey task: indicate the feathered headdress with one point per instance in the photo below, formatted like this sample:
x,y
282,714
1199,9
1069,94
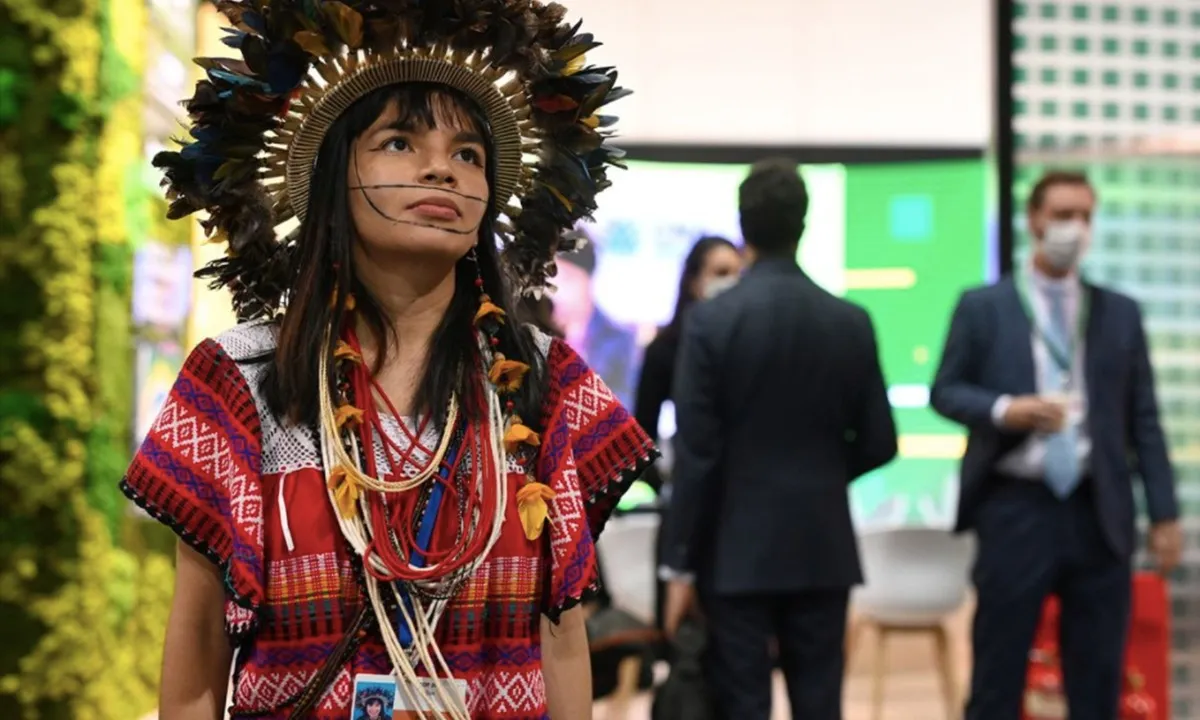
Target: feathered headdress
x,y
257,123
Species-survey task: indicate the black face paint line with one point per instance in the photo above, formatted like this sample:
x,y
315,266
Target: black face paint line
x,y
398,221
448,191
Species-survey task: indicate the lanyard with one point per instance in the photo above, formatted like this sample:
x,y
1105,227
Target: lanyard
x,y
424,536
1062,357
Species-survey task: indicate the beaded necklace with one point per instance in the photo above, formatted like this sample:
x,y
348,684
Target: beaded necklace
x,y
389,522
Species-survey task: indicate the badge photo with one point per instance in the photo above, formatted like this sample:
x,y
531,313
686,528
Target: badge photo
x,y
374,697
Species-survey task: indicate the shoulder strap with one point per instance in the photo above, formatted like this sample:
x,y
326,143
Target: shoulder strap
x,y
312,692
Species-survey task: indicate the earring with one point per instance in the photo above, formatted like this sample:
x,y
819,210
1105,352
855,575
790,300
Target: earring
x,y
473,257
490,316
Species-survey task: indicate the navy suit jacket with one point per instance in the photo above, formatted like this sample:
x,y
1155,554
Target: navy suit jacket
x,y
780,403
989,353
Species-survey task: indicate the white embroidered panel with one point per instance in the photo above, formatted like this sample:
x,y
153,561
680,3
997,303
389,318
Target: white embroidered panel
x,y
287,448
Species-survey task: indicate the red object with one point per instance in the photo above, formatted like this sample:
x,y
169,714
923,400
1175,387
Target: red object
x,y
249,491
1044,698
1147,655
1137,703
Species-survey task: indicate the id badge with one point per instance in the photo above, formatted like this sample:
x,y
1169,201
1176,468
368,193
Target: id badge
x,y
374,697
410,701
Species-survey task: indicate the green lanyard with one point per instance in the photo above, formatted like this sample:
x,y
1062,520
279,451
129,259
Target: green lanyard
x,y
1062,357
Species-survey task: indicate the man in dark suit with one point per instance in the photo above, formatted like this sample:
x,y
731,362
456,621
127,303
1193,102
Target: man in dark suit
x,y
1052,378
780,404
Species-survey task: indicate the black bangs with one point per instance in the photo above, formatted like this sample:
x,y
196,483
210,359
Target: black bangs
x,y
421,106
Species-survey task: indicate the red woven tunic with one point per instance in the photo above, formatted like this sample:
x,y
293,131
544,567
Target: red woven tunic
x,y
248,491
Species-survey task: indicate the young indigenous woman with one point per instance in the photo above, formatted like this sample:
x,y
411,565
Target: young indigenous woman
x,y
383,471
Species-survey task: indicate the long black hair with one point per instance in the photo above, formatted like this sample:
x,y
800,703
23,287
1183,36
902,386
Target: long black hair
x,y
693,265
323,264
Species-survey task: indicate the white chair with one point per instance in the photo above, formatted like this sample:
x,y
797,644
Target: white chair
x,y
915,579
626,554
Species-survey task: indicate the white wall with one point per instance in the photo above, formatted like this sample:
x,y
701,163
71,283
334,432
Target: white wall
x,y
802,72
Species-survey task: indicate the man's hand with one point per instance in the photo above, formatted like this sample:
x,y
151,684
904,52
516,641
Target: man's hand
x,y
681,597
1030,412
1166,543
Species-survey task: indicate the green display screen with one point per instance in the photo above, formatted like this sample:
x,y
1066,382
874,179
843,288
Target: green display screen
x,y
916,236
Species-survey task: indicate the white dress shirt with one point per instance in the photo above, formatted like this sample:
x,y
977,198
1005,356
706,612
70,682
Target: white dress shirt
x,y
1027,459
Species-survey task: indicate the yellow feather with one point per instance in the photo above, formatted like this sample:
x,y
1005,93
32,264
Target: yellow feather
x,y
519,434
575,64
345,492
561,198
348,414
533,509
488,309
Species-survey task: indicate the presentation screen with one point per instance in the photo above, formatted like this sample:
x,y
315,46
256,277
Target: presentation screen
x,y
901,239
848,73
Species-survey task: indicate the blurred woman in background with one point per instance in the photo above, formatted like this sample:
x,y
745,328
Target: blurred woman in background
x,y
712,265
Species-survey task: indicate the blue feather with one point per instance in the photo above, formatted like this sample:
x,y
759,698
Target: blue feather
x,y
237,80
579,163
255,21
233,38
616,94
206,134
590,78
284,73
205,170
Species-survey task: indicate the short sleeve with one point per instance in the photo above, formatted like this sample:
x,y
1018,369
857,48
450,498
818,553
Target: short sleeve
x,y
592,450
198,472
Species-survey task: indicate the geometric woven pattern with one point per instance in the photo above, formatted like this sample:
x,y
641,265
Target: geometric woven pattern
x,y
294,583
515,692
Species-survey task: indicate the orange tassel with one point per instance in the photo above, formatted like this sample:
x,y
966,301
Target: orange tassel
x,y
345,491
349,301
507,374
519,434
532,507
343,351
488,309
348,414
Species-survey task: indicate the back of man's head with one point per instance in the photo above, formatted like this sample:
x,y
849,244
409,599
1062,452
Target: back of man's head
x,y
773,202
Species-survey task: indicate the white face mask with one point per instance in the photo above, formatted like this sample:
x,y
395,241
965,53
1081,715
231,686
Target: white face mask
x,y
1063,243
716,286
